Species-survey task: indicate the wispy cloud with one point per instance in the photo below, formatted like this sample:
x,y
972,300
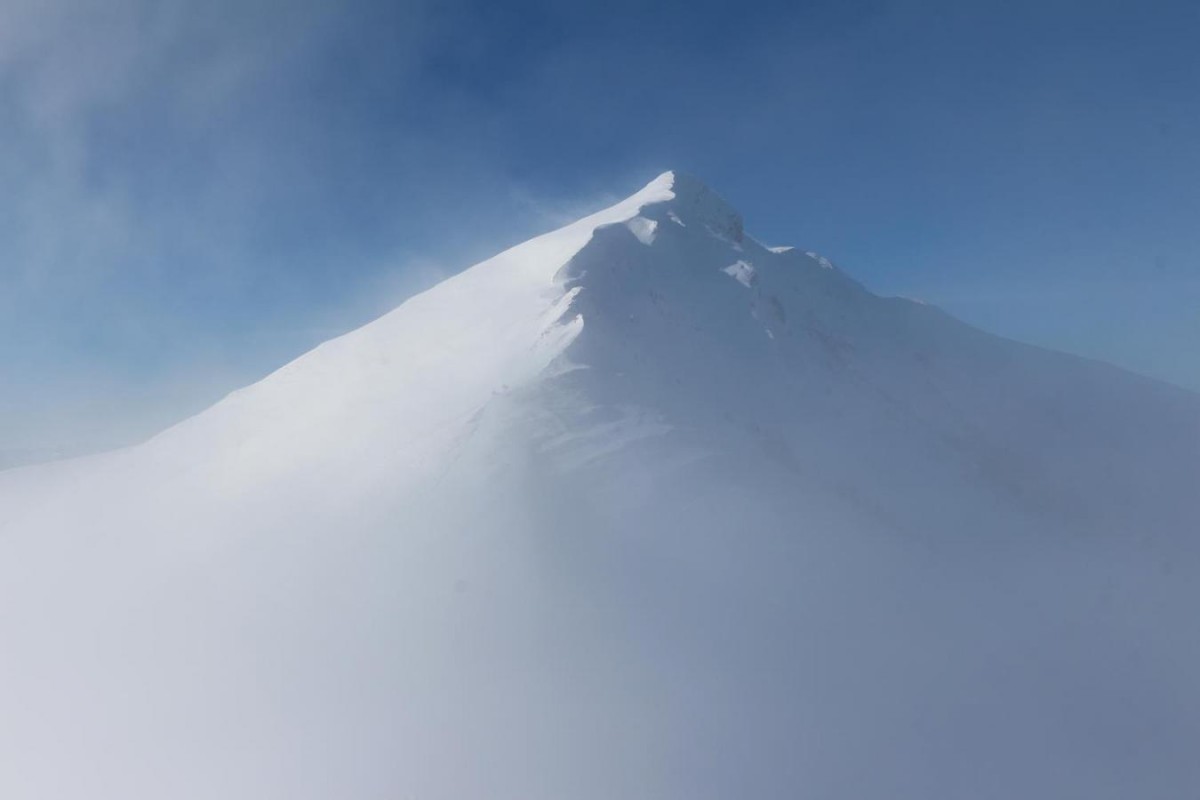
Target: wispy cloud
x,y
158,157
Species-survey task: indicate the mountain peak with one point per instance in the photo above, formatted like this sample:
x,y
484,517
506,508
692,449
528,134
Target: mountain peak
x,y
692,201
699,490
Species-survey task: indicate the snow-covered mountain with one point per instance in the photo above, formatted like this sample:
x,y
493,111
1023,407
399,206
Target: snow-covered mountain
x,y
637,509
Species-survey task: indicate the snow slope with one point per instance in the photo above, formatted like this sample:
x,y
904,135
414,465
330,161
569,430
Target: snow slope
x,y
639,508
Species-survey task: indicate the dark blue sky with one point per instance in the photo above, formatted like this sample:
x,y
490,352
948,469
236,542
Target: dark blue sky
x,y
195,193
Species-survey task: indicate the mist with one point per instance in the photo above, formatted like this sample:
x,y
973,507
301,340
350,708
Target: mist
x,y
367,432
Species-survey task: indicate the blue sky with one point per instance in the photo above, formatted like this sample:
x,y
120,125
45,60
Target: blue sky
x,y
197,192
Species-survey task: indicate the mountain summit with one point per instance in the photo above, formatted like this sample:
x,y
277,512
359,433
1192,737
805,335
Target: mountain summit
x,y
638,508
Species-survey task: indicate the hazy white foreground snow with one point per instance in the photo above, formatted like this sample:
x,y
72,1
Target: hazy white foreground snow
x,y
638,509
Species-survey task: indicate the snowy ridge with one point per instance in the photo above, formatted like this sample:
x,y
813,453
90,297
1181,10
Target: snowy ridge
x,y
638,508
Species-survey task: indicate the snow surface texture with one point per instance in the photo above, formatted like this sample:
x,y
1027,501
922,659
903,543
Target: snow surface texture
x,y
637,509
